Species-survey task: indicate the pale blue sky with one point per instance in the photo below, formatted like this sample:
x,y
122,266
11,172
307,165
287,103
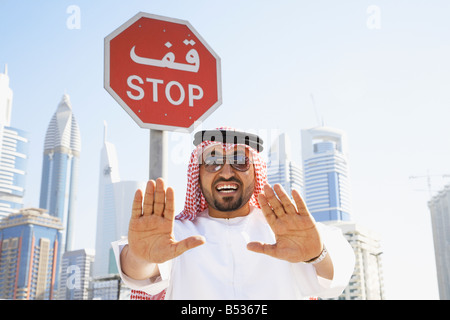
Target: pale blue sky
x,y
387,88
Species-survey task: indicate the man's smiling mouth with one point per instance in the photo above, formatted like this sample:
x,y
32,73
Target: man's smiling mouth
x,y
227,187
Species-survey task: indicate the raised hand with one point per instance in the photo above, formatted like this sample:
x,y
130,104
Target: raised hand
x,y
297,237
150,232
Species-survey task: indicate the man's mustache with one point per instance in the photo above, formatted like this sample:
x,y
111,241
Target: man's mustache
x,y
232,179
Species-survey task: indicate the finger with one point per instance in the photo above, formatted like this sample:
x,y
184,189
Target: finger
x,y
169,208
187,244
276,205
288,206
136,210
160,198
301,205
149,198
260,247
266,209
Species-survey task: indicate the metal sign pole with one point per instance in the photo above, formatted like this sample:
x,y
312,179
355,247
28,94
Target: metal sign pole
x,y
158,154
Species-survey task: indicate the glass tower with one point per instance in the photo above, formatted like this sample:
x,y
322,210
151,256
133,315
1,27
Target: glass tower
x,y
281,168
327,195
62,148
76,271
325,165
29,255
439,207
115,198
13,154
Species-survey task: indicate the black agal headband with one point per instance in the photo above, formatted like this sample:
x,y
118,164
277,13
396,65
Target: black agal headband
x,y
229,136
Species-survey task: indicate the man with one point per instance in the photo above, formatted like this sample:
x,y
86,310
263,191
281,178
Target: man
x,y
237,238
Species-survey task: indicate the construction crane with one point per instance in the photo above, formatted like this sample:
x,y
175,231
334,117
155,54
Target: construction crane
x,y
428,176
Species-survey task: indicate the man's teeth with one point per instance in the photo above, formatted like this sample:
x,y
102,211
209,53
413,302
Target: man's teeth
x,y
227,188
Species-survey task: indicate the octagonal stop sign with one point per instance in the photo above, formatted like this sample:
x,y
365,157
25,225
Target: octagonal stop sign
x,y
162,72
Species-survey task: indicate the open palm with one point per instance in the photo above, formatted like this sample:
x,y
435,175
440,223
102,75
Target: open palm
x,y
150,232
296,234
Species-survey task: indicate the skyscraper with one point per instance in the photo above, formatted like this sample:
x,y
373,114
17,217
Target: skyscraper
x,y
327,195
76,271
325,165
114,207
6,98
29,255
281,168
367,281
13,154
62,149
440,221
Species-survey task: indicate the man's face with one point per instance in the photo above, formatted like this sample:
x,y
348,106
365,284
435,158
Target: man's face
x,y
226,187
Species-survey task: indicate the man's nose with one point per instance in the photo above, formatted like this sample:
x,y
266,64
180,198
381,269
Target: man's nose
x,y
227,171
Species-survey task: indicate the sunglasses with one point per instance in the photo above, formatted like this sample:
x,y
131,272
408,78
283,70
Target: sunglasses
x,y
215,163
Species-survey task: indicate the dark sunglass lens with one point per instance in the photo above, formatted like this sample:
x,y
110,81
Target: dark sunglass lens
x,y
241,163
239,159
213,163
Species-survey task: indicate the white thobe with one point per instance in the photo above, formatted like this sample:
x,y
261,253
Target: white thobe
x,y
223,268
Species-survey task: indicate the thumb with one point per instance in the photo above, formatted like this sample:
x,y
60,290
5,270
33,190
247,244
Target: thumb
x,y
187,244
260,247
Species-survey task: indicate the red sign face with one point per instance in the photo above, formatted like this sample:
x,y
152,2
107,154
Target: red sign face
x,y
162,72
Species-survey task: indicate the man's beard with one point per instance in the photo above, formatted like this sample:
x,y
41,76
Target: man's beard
x,y
227,204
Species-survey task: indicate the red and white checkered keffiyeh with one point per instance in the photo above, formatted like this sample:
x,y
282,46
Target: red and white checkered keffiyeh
x,y
195,202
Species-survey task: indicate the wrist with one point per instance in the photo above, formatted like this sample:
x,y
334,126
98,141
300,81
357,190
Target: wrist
x,y
319,258
136,267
